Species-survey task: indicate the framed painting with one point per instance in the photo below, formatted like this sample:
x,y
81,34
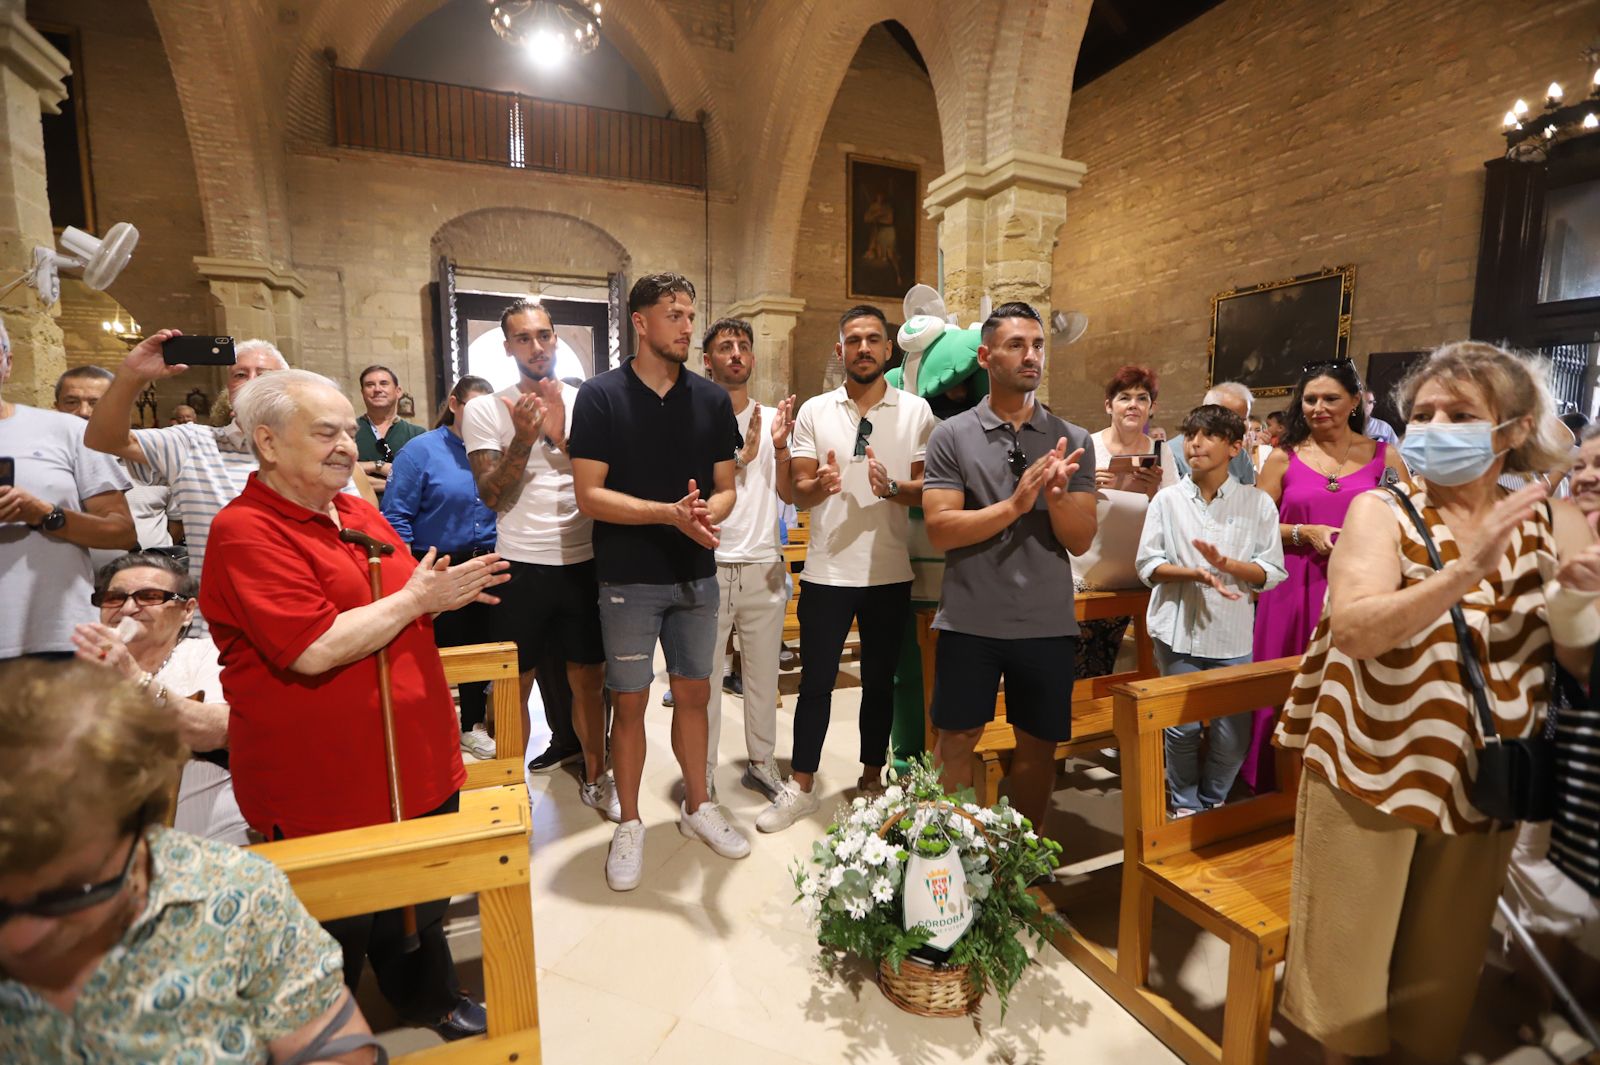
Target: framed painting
x,y
881,237
1262,335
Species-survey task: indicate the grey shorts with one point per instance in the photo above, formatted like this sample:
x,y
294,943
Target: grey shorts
x,y
683,617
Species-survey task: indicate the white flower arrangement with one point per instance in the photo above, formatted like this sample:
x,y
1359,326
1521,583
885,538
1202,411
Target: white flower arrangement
x,y
852,885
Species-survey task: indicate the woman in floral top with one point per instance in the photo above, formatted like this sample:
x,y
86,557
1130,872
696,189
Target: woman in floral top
x,y
122,941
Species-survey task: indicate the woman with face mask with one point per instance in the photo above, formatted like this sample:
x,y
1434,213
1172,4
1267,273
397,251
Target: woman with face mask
x,y
1388,842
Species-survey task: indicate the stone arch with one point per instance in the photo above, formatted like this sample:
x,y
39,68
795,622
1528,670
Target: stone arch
x,y
1028,97
642,30
238,160
802,86
499,238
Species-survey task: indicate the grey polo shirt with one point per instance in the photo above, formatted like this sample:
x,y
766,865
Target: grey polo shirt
x,y
1018,584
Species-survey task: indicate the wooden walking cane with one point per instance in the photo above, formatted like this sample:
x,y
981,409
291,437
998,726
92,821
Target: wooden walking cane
x,y
376,549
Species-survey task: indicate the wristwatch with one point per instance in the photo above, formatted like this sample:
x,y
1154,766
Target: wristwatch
x,y
53,521
894,489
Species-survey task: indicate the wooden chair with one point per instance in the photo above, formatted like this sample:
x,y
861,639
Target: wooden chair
x,y
1091,699
1225,869
495,662
483,849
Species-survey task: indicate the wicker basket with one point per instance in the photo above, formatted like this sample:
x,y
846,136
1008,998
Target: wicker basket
x,y
923,988
929,990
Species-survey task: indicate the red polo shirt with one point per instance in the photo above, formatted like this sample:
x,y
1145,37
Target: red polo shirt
x,y
306,752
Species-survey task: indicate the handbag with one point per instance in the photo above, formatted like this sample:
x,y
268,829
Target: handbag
x,y
1516,777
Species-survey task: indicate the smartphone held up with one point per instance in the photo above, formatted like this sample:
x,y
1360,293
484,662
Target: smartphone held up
x,y
197,351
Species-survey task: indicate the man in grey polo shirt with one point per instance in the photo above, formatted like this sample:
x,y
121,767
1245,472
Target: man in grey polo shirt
x,y
1008,494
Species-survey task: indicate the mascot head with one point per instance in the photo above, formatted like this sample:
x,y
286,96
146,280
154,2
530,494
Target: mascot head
x,y
941,362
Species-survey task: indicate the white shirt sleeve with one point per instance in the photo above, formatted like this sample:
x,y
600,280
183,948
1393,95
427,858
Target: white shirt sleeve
x,y
803,445
1152,552
480,425
925,423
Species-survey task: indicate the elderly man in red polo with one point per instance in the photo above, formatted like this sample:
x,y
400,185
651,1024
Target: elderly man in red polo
x,y
291,609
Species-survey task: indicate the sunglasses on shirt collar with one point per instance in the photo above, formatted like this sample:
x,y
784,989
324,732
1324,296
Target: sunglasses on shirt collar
x,y
863,434
62,902
385,452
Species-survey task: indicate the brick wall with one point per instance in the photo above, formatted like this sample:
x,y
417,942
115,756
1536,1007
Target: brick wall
x,y
1268,139
885,109
141,164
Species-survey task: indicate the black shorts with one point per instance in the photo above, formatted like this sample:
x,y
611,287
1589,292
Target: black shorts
x,y
1038,674
541,605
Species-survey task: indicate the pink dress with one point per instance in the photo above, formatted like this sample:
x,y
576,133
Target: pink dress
x,y
1288,614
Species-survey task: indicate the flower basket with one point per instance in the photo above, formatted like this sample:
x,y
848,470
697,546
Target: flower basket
x,y
932,889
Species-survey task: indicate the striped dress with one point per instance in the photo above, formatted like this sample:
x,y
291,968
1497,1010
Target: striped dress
x,y
1399,731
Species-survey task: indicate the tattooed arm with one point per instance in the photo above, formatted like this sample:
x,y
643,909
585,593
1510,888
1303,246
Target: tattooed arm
x,y
499,475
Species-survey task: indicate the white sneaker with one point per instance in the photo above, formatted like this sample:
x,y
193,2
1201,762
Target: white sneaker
x,y
602,796
712,828
763,777
789,806
478,743
625,860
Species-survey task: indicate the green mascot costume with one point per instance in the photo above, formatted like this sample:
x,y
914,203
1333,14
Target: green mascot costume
x,y
941,366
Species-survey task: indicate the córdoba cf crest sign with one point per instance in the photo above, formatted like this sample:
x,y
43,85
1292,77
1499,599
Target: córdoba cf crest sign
x,y
936,897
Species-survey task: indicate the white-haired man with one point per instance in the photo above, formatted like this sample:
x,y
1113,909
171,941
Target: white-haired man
x,y
1237,398
296,626
205,466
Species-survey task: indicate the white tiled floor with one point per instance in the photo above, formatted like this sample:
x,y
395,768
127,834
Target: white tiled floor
x,y
709,961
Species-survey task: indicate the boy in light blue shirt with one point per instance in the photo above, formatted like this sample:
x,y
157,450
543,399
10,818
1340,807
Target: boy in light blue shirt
x,y
1209,544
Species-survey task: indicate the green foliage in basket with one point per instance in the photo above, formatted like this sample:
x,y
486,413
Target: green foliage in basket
x,y
851,886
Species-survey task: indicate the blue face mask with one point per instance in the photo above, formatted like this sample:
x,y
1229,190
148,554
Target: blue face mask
x,y
1450,454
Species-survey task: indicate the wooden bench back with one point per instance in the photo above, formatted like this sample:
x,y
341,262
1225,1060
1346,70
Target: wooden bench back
x,y
483,849
495,662
1143,709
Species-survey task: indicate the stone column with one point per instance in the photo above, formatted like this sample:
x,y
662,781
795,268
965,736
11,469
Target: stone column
x,y
997,231
255,299
31,74
772,318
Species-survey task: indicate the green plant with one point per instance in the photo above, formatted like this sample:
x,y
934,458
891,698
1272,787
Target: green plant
x,y
852,886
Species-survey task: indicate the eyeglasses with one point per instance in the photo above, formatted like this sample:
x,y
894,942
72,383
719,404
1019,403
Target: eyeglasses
x,y
1018,461
64,901
863,434
141,596
385,452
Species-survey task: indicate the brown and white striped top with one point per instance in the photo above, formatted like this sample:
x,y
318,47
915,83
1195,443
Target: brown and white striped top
x,y
1399,730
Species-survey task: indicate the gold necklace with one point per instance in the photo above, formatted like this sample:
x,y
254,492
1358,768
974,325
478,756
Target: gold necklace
x,y
1333,478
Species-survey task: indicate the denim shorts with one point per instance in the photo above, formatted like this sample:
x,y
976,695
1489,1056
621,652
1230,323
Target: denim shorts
x,y
634,616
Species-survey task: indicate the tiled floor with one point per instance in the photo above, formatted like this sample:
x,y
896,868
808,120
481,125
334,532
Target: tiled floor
x,y
709,962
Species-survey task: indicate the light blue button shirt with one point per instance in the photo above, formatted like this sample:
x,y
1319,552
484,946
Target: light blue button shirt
x,y
1193,618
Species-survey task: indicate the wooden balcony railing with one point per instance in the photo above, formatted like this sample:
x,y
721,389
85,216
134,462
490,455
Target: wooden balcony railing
x,y
429,118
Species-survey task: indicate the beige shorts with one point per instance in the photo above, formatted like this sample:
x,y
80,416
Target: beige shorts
x,y
1389,925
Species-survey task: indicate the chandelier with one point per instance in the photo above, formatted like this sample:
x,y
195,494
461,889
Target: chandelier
x,y
1529,136
548,29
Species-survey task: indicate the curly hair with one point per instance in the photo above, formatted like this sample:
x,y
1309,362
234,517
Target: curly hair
x,y
78,747
1130,377
1514,387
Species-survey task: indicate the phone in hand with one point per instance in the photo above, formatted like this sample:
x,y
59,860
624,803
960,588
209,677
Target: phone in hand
x,y
197,351
8,473
1124,467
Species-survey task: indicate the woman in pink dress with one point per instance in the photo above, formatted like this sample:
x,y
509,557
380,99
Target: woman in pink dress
x,y
1322,462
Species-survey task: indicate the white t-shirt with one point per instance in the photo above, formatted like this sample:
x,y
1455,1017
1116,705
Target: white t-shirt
x,y
857,539
45,582
543,526
195,666
750,532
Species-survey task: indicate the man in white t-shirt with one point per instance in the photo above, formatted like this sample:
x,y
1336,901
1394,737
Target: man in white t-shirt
x,y
516,440
750,566
858,467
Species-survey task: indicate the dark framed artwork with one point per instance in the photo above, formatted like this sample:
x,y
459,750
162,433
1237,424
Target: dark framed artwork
x,y
1262,335
881,229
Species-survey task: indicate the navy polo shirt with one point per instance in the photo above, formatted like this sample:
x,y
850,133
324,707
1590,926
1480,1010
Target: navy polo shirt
x,y
652,446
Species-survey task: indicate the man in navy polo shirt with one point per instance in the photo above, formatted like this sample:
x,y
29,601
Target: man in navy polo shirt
x,y
652,448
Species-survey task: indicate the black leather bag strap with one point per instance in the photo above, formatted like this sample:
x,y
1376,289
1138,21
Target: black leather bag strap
x,y
1469,657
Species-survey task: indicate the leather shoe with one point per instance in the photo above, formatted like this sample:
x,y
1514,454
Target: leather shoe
x,y
468,1019
733,684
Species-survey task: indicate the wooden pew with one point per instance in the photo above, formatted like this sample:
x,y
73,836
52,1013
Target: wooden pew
x,y
1091,699
1225,869
495,662
482,849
